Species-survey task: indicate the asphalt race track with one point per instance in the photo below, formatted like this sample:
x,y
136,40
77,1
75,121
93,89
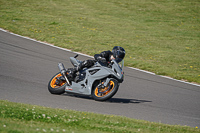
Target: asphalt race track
x,y
26,66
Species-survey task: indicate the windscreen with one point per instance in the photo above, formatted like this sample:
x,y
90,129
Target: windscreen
x,y
121,64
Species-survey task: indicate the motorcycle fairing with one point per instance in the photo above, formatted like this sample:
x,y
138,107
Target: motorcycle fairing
x,y
85,86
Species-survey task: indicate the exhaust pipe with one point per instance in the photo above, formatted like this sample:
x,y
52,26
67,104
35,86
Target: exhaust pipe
x,y
63,72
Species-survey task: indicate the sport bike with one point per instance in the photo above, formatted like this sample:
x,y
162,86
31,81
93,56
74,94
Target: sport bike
x,y
99,81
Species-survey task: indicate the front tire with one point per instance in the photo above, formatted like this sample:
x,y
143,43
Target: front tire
x,y
54,88
102,94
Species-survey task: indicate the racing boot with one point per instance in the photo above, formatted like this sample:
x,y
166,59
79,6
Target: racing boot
x,y
86,63
71,73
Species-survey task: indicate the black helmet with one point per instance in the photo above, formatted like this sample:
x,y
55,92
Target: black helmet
x,y
118,53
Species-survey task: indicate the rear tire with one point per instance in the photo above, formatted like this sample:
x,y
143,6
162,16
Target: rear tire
x,y
56,89
107,92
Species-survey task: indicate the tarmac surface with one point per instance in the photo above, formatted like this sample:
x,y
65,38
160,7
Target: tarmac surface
x,y
26,66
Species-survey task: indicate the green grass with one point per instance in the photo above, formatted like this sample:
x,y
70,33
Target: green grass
x,y
161,36
17,118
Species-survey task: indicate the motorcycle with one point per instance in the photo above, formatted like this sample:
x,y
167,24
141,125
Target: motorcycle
x,y
99,81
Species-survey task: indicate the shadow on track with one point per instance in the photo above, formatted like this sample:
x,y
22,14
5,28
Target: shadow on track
x,y
122,100
112,100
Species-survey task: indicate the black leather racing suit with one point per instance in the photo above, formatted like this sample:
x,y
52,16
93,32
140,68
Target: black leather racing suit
x,y
103,57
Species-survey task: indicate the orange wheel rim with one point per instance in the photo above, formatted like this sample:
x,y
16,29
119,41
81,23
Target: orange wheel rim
x,y
106,90
53,81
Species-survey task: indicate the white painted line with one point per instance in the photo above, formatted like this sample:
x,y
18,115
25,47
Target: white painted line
x,y
92,57
142,71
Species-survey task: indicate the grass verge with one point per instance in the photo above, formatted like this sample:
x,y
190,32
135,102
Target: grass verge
x,y
159,36
18,117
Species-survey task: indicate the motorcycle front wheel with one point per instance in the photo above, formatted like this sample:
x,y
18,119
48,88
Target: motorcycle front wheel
x,y
102,94
56,88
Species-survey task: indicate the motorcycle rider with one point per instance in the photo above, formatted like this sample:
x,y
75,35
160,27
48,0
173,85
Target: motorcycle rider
x,y
105,57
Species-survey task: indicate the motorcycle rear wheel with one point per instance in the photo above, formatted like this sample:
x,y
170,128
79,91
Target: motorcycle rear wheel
x,y
106,93
54,88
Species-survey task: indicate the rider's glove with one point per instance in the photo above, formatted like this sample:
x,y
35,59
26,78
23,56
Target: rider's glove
x,y
103,60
